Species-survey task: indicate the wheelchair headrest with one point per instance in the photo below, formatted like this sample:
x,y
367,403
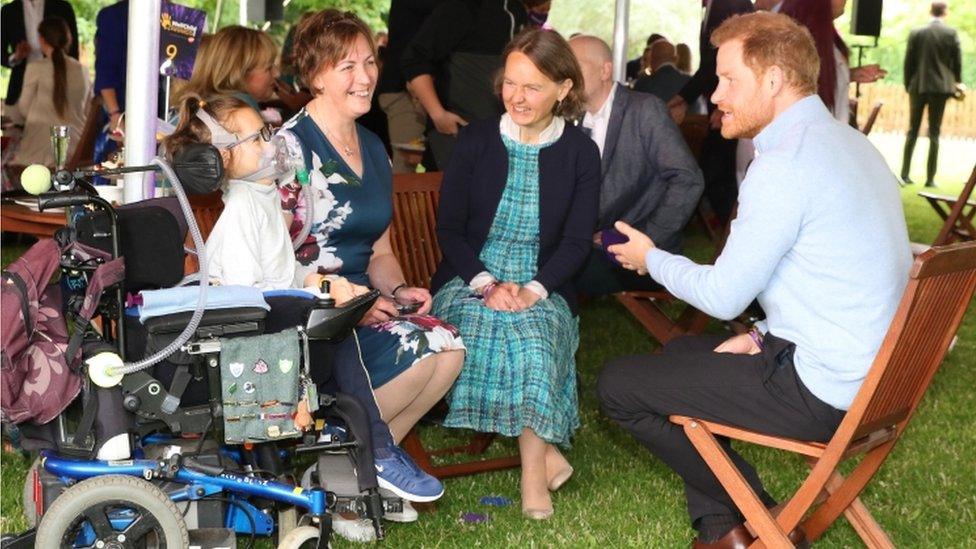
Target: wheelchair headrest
x,y
151,235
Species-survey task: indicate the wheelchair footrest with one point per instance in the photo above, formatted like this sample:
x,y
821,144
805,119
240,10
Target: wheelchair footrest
x,y
212,538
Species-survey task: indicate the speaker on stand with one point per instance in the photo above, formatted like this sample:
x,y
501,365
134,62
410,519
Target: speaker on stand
x,y
865,21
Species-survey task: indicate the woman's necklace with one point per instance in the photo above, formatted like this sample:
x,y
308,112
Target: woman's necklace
x,y
343,146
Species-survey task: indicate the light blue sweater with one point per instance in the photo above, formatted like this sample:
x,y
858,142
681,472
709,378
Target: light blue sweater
x,y
820,240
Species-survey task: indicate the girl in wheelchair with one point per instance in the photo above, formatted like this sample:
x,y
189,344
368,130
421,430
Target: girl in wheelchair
x,y
250,246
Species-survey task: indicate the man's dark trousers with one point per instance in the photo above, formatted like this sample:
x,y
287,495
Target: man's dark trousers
x,y
760,392
936,104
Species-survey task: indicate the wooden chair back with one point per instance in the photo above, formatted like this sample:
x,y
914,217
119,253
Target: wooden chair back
x,y
206,211
694,128
872,118
84,153
939,291
412,232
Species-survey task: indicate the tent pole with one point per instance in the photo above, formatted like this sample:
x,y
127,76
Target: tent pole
x,y
620,40
142,88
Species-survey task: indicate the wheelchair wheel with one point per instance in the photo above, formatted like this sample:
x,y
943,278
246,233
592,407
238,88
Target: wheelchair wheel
x,y
303,536
113,511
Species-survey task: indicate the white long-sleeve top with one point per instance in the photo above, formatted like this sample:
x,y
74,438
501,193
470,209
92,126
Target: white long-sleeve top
x,y
249,245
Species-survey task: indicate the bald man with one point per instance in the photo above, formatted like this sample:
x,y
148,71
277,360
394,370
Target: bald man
x,y
664,80
649,176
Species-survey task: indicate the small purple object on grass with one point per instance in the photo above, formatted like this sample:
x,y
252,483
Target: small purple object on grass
x,y
474,518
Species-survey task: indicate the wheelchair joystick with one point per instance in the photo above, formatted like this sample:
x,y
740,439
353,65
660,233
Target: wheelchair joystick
x,y
326,300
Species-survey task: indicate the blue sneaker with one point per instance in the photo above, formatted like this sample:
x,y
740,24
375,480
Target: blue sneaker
x,y
400,475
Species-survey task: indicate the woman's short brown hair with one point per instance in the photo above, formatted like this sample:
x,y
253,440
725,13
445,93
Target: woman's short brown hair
x,y
774,39
323,39
550,53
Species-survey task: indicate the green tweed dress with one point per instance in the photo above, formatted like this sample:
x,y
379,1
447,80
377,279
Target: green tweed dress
x,y
520,369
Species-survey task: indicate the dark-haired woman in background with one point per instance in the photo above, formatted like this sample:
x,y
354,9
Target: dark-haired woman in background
x,y
836,73
55,93
517,214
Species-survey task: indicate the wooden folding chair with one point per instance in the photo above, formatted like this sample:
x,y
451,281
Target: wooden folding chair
x,y
940,288
412,234
957,213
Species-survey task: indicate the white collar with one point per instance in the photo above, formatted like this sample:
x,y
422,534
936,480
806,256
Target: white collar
x,y
604,110
513,131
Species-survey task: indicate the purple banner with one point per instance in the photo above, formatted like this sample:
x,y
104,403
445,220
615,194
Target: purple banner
x,y
179,39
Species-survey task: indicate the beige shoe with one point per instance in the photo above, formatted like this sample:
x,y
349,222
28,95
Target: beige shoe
x,y
538,514
560,478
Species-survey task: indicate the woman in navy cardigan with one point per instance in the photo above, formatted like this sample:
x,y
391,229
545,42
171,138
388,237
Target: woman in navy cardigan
x,y
517,212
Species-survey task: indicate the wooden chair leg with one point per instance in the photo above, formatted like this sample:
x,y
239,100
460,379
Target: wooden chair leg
x,y
650,315
843,492
768,530
861,519
421,456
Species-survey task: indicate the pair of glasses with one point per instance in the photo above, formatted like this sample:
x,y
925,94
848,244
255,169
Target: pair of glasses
x,y
264,133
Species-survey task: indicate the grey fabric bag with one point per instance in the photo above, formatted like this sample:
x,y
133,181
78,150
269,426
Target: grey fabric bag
x,y
259,379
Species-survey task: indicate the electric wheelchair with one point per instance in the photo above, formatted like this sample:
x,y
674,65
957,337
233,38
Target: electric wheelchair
x,y
144,458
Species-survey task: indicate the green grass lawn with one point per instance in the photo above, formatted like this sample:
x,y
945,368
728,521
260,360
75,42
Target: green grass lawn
x,y
620,496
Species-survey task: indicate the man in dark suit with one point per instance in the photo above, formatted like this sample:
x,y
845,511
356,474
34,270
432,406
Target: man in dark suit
x,y
933,68
664,80
649,176
718,154
18,27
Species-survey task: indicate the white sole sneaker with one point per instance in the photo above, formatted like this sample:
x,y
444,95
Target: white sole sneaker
x,y
358,530
409,514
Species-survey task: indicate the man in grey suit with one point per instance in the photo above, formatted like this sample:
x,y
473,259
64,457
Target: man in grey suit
x,y
933,68
649,177
665,80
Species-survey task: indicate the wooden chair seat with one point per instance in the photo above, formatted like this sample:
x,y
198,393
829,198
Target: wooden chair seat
x,y
414,240
939,291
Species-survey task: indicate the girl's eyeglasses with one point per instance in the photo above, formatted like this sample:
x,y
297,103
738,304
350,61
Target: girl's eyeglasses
x,y
264,133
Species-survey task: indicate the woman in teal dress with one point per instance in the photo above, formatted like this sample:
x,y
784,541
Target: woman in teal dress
x,y
518,208
412,359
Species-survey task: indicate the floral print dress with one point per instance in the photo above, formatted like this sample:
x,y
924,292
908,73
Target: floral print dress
x,y
348,214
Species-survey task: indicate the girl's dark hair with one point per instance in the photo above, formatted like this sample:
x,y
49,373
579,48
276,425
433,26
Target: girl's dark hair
x,y
191,129
56,33
550,53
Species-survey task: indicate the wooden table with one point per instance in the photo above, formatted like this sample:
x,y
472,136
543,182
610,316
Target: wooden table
x,y
21,219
